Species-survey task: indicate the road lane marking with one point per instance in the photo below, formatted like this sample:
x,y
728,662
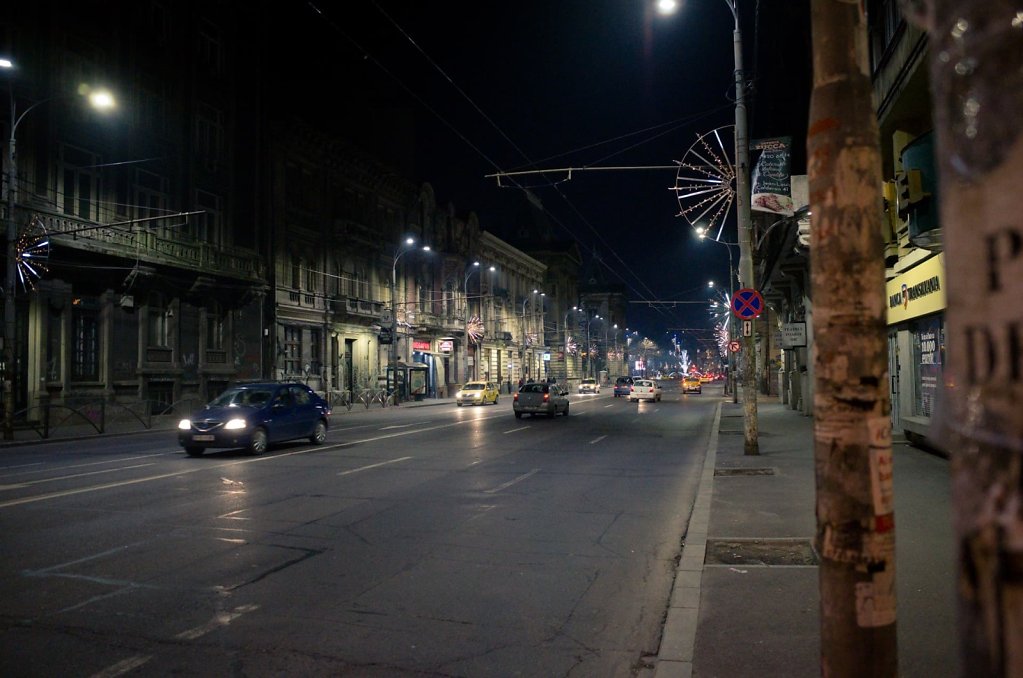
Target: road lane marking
x,y
366,468
597,440
123,667
29,483
521,428
513,481
255,460
387,428
219,620
611,405
91,463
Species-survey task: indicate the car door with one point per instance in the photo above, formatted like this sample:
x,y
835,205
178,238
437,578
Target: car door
x,y
304,413
280,423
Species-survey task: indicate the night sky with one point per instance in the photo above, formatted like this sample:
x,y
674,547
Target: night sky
x,y
450,92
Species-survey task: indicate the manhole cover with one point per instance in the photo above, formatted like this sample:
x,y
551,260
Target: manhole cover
x,y
744,471
777,552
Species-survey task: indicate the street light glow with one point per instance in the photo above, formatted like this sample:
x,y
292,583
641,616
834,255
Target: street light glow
x,y
102,99
6,63
667,6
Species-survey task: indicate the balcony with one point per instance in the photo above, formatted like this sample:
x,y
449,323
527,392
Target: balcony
x,y
148,245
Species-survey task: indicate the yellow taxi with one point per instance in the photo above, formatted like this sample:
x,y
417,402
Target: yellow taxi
x,y
692,384
477,393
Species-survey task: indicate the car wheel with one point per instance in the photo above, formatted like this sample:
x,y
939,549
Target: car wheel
x,y
495,400
566,411
459,404
193,451
518,415
259,441
319,433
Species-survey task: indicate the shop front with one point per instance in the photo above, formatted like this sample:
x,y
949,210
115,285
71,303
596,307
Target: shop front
x,y
423,381
916,344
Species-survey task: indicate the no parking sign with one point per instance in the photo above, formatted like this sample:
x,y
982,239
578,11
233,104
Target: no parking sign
x,y
747,303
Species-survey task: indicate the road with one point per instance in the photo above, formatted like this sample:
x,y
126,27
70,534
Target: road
x,y
436,541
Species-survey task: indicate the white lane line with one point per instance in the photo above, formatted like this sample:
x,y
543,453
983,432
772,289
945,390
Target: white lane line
x,y
254,460
611,405
366,468
35,463
388,428
513,430
597,440
122,667
513,481
91,463
220,620
29,483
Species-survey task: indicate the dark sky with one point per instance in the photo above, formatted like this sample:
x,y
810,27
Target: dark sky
x,y
469,89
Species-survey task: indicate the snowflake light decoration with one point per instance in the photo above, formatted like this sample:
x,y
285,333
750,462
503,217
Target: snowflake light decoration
x,y
721,335
571,346
474,328
32,251
705,181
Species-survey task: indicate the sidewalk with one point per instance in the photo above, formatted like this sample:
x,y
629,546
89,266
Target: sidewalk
x,y
746,600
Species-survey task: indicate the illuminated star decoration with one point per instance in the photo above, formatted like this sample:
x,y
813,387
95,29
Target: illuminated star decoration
x,y
721,335
474,328
593,351
720,313
705,182
32,251
571,346
531,339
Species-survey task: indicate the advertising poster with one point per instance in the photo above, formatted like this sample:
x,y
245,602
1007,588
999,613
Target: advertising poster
x,y
771,185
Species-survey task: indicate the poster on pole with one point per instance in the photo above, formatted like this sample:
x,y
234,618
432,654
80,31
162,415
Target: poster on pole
x,y
771,185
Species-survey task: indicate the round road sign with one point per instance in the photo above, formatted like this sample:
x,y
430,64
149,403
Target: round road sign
x,y
734,346
747,303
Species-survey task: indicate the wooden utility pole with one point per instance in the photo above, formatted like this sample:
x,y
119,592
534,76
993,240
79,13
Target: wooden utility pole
x,y
852,429
976,53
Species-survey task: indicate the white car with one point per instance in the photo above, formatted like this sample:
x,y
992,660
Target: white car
x,y
589,386
645,389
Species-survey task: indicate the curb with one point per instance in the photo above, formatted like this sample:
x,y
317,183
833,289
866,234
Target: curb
x,y
678,639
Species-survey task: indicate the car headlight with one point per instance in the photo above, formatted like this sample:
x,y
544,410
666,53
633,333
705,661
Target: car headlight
x,y
185,424
235,424
458,395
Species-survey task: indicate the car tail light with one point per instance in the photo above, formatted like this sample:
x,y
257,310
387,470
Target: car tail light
x,y
632,389
516,396
546,397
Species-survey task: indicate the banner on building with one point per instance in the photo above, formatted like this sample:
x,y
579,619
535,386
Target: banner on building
x,y
771,184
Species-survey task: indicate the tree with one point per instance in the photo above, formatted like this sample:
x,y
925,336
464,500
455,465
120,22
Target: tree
x,y
976,73
852,428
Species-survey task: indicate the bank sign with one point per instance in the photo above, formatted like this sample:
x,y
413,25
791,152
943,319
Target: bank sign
x,y
918,292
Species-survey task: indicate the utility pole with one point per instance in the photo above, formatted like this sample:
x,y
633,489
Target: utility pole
x,y
979,152
852,426
742,206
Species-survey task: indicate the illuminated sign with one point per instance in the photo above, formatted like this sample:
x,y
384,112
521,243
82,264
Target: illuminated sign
x,y
446,345
420,345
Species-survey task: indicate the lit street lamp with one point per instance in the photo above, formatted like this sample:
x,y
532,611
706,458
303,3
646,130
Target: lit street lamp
x,y
406,246
473,268
99,99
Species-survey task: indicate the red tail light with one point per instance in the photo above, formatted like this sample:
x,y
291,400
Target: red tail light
x,y
516,396
632,389
546,397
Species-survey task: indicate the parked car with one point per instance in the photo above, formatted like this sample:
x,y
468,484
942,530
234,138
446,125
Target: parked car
x,y
540,398
692,384
589,386
623,386
645,389
477,393
254,416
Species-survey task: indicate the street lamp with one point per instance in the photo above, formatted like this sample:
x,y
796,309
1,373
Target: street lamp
x,y
564,326
522,329
406,246
99,99
473,268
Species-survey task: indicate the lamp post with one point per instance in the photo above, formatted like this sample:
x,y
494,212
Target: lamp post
x,y
565,330
99,99
406,246
701,232
473,268
522,329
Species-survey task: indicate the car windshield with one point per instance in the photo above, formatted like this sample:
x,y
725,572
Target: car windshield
x,y
589,381
242,397
622,380
474,387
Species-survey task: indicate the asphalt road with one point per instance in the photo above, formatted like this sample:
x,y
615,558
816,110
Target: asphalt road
x,y
417,541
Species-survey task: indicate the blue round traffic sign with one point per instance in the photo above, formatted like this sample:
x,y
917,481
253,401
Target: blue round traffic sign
x,y
747,303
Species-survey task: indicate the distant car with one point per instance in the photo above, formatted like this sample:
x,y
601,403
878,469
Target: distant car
x,y
589,386
645,389
706,378
477,393
623,386
540,398
254,416
692,384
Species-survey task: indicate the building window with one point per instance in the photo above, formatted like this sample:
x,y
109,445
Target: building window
x,y
80,186
211,51
84,340
210,223
292,349
159,321
151,198
214,327
296,272
315,355
209,134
